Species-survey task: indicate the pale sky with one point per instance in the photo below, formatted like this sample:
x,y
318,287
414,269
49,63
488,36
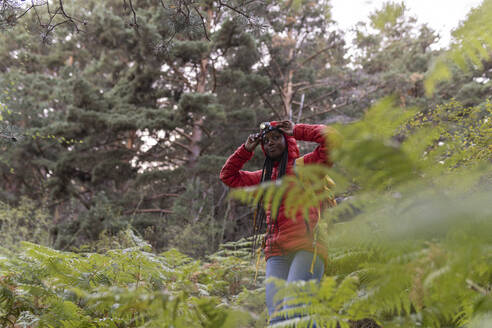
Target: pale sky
x,y
440,15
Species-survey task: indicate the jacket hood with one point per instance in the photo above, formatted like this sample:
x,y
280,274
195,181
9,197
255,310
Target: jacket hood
x,y
290,142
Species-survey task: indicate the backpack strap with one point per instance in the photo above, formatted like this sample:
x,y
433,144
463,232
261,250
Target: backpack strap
x,y
299,161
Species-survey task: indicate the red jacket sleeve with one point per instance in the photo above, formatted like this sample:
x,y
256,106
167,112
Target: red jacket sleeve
x,y
231,173
325,136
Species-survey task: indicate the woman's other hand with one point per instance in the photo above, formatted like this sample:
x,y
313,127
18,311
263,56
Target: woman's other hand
x,y
286,127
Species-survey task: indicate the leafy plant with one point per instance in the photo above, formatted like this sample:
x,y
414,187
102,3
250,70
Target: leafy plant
x,y
24,222
411,245
42,287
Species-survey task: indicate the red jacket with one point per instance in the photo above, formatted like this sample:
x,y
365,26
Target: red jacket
x,y
289,234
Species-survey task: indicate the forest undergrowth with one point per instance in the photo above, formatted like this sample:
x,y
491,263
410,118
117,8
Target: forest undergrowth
x,y
410,243
409,246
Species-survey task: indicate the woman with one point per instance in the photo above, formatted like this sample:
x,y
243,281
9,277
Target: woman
x,y
289,241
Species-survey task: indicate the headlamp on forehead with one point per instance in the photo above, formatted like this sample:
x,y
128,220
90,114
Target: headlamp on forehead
x,y
265,127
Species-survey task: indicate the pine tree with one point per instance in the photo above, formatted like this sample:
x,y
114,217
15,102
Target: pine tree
x,y
300,50
125,113
393,53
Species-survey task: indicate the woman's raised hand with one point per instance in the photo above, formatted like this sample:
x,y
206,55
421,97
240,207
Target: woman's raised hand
x,y
286,127
252,141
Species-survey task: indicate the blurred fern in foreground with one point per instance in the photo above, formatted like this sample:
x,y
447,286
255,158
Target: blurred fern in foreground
x,y
411,245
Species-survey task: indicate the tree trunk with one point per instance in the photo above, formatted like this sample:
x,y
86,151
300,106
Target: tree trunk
x,y
197,133
287,90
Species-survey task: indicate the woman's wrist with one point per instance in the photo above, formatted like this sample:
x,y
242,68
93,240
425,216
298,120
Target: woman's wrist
x,y
246,148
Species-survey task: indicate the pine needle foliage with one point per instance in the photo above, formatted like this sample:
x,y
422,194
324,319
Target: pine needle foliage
x,y
471,47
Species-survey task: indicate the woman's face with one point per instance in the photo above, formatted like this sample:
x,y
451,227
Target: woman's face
x,y
274,144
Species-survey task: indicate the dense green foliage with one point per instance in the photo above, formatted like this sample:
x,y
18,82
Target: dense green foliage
x,y
108,136
130,287
471,47
24,222
111,141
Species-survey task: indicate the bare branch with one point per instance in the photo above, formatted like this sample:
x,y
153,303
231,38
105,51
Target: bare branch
x,y
52,20
37,16
134,15
162,196
203,23
312,102
71,19
314,56
235,10
33,5
270,105
327,111
181,75
150,210
51,28
274,81
313,85
183,134
301,105
185,147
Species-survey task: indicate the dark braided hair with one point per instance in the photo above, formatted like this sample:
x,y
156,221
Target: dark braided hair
x,y
260,215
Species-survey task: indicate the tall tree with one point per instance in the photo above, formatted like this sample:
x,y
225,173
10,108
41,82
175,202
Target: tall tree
x,y
128,113
393,52
300,49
